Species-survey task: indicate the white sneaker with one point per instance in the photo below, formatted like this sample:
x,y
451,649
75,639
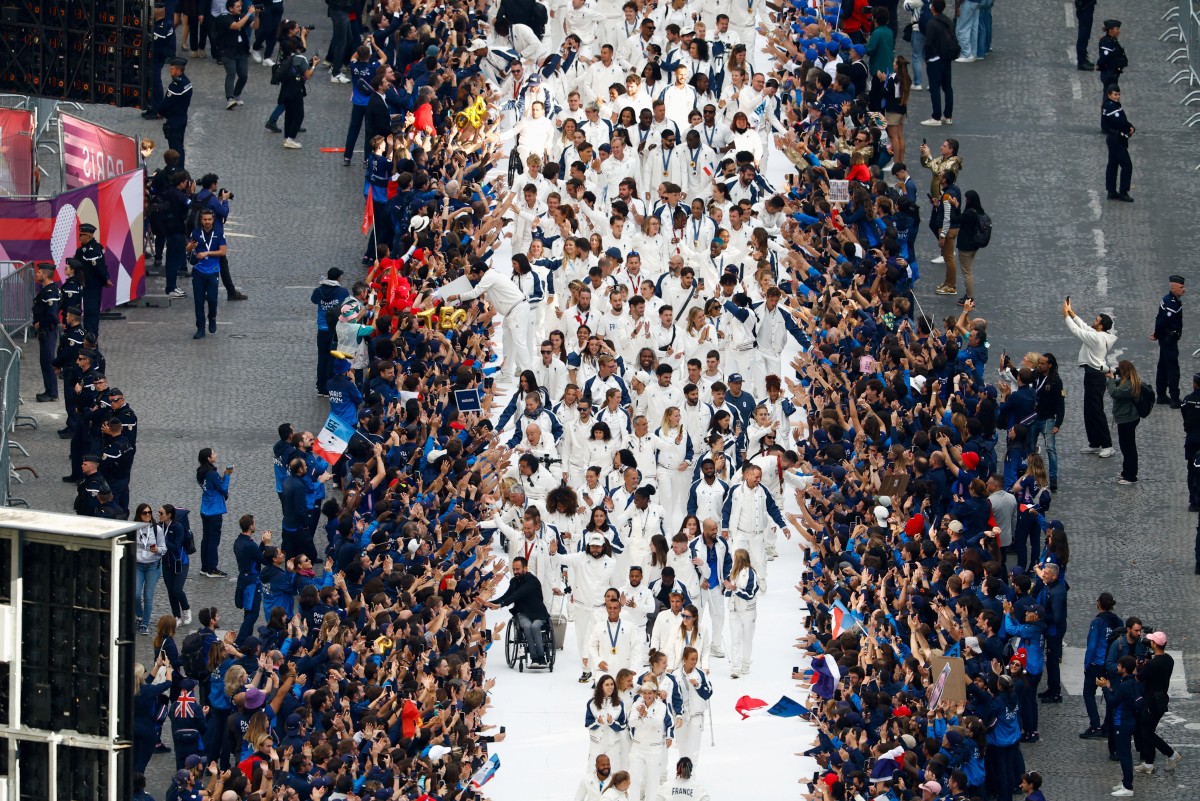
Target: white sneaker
x,y
178,293
964,60
230,103
938,260
1174,760
292,144
916,87
239,101
720,654
187,616
733,674
1089,449
1144,768
1106,453
339,78
268,62
178,622
1123,793
257,56
947,121
1118,786
931,121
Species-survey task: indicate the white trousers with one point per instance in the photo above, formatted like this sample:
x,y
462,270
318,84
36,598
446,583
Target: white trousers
x,y
585,615
610,743
741,634
755,543
518,354
688,737
674,486
715,607
645,771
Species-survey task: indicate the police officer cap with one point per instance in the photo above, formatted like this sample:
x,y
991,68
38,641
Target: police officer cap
x,y
1176,279
87,228
1111,23
113,392
75,310
91,457
1196,378
177,62
88,353
74,263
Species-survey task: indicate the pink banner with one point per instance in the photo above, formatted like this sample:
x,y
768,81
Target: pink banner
x,y
16,152
48,230
91,153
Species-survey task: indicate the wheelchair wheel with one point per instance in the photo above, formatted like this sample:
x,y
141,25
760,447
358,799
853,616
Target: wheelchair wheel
x,y
551,648
511,642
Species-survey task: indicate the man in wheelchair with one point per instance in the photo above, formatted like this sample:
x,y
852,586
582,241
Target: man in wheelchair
x,y
524,594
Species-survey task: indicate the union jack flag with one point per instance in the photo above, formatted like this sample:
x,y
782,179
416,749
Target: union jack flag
x,y
186,705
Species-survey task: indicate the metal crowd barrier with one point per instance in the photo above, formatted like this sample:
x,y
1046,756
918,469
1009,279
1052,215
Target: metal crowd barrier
x,y
17,290
10,405
1185,29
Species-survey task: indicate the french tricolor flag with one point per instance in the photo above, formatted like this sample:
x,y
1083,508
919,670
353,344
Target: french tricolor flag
x,y
826,675
843,619
887,764
747,706
486,772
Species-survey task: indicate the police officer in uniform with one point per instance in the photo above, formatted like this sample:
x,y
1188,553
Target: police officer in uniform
x,y
116,462
1084,9
1190,409
91,269
85,397
1168,328
69,344
1112,60
1116,127
174,107
162,31
87,501
46,323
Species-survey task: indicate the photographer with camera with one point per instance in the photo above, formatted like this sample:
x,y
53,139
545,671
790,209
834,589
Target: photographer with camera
x,y
206,247
173,222
212,197
270,16
235,49
340,45
294,74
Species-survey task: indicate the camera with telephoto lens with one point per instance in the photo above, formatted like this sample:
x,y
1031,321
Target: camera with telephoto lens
x,y
227,194
310,27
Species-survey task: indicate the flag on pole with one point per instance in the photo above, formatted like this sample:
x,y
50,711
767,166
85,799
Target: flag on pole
x,y
826,675
368,217
333,440
486,772
843,619
886,764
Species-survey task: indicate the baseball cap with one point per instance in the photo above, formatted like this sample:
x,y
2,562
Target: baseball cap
x,y
1159,638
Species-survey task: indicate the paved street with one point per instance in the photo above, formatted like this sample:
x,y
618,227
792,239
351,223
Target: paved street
x,y
1027,122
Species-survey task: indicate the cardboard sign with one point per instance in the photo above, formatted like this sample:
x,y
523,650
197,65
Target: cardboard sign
x,y
950,684
839,191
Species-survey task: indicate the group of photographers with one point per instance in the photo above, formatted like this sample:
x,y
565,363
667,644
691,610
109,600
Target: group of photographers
x,y
188,219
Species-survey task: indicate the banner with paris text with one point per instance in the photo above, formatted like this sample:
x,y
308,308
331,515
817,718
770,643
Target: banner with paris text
x,y
91,153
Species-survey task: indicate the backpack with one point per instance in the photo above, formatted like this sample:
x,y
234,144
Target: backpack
x,y
278,69
1145,402
189,539
192,221
194,656
984,235
951,49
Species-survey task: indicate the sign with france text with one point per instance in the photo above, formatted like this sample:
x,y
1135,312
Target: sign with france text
x,y
91,154
333,440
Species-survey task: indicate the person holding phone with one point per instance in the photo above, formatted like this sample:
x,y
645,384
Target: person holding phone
x,y
214,488
295,72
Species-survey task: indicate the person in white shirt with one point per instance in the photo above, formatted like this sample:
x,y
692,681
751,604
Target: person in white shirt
x,y
603,74
637,603
585,22
667,619
617,788
638,522
652,729
748,510
590,572
551,373
591,786
534,133
1097,341
636,50
718,563
683,785
693,683
696,416
699,232
509,301
611,645
526,543
741,591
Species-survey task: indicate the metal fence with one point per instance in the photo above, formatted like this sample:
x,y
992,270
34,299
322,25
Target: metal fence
x,y
10,405
1185,29
17,290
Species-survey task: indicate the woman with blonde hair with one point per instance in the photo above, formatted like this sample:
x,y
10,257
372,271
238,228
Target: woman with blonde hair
x,y
146,706
675,454
741,589
1125,387
617,788
699,337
